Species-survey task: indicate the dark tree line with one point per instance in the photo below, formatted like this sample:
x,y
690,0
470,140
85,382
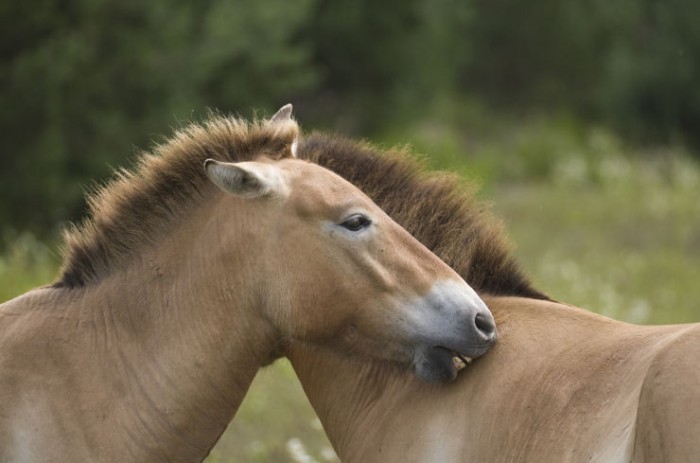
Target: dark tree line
x,y
83,83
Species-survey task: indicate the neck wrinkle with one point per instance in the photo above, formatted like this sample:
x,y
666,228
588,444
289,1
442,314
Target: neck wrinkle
x,y
345,399
179,359
182,384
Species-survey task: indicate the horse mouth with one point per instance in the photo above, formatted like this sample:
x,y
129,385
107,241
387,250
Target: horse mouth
x,y
439,364
460,361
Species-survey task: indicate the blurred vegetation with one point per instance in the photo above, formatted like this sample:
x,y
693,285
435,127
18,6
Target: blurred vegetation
x,y
578,120
596,223
26,264
86,83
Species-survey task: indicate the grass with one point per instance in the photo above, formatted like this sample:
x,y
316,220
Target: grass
x,y
274,424
25,264
596,224
628,248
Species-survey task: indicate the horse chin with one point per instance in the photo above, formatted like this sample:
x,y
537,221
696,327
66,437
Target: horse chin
x,y
438,364
432,364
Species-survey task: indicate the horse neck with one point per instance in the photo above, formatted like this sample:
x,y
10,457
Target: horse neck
x,y
365,406
369,409
350,396
182,327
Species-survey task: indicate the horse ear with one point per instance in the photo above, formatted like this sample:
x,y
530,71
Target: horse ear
x,y
246,179
283,121
283,114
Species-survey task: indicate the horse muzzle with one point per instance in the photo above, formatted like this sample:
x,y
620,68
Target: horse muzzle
x,y
457,327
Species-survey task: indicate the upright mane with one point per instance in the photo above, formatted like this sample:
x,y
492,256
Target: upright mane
x,y
134,208
433,207
137,206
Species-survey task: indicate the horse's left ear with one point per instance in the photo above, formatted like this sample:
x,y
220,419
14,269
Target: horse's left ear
x,y
246,179
285,125
283,114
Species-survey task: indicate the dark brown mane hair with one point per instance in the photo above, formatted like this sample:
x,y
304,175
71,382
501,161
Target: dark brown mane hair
x,y
433,207
134,208
131,210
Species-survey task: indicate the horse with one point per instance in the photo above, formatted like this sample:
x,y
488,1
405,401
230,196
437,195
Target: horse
x,y
561,385
188,272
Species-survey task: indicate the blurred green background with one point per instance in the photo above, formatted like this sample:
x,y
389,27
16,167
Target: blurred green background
x,y
579,122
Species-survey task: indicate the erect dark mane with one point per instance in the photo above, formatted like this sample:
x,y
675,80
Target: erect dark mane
x,y
137,206
133,209
445,217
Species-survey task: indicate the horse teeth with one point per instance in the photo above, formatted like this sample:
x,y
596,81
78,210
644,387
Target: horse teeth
x,y
458,363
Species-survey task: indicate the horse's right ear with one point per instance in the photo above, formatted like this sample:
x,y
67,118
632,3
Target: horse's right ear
x,y
246,179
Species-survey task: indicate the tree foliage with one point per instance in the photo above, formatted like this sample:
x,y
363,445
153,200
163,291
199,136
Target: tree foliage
x,y
85,83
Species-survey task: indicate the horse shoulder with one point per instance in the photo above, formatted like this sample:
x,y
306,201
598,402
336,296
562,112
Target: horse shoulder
x,y
30,349
668,420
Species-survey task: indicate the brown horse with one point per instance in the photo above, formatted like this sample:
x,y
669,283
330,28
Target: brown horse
x,y
174,292
561,385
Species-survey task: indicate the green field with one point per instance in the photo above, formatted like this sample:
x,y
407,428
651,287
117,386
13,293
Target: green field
x,y
593,225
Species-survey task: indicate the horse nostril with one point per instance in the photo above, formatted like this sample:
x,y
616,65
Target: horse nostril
x,y
485,324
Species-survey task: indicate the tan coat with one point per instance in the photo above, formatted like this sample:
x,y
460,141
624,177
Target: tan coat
x,y
561,384
174,292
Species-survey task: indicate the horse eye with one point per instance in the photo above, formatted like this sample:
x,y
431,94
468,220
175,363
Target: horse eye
x,y
356,222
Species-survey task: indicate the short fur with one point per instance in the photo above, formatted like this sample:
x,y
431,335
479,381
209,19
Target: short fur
x,y
185,298
132,209
433,207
